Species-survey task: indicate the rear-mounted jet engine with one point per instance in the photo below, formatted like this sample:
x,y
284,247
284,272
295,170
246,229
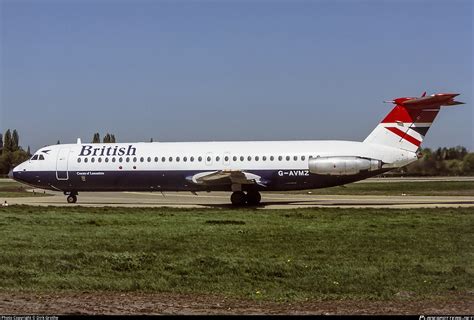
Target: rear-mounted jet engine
x,y
335,166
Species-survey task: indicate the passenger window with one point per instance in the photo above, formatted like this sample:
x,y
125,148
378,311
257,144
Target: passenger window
x,y
264,158
142,159
226,158
185,159
113,159
272,158
134,159
192,159
249,158
120,159
280,158
100,159
86,159
200,159
35,157
78,160
177,159
156,159
148,159
127,159
163,159
106,159
295,158
256,158
302,158
218,158
242,158
208,159
93,160
287,158
234,158
170,159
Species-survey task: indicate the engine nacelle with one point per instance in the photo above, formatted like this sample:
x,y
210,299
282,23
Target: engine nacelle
x,y
342,166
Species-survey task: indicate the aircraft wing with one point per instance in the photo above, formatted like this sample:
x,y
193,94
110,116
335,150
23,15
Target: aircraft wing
x,y
226,177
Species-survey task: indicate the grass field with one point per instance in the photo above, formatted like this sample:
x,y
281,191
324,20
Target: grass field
x,y
12,189
423,188
278,255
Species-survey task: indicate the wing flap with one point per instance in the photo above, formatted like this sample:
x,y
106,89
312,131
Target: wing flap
x,y
223,177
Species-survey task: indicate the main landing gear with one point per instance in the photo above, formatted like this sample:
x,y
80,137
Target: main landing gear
x,y
71,197
239,198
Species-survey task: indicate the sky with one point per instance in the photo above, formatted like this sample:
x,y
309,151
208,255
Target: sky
x,y
229,70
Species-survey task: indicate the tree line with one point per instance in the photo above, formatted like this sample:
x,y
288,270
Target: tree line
x,y
11,153
454,161
108,138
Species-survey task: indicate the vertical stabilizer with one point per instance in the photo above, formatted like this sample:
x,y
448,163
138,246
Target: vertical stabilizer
x,y
407,124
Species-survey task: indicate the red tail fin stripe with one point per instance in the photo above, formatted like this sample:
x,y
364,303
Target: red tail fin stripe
x,y
404,135
400,113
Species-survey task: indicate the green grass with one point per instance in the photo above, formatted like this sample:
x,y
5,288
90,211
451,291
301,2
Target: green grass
x,y
287,255
422,188
13,189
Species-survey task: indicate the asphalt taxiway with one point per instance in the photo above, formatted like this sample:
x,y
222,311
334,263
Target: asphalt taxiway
x,y
221,199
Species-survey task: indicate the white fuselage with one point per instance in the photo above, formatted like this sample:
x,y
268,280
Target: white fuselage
x,y
161,165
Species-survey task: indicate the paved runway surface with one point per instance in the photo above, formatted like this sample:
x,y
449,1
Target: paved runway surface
x,y
416,179
222,199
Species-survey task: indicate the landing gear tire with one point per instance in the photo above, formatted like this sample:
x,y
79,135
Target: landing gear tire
x,y
72,198
253,198
238,198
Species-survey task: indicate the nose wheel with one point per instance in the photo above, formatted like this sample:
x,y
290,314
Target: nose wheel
x,y
71,197
239,198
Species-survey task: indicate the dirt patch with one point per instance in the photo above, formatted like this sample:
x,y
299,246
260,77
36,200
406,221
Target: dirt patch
x,y
161,303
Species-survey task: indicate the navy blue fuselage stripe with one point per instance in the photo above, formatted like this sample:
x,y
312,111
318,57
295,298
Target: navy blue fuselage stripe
x,y
125,180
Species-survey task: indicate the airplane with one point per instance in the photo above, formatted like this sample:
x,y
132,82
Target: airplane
x,y
243,168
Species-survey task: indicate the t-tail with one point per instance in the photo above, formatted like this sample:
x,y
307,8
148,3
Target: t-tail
x,y
406,125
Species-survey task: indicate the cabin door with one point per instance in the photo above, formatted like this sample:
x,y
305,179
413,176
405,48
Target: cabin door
x,y
62,164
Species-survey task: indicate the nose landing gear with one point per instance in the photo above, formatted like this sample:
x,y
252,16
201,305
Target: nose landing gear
x,y
239,198
71,196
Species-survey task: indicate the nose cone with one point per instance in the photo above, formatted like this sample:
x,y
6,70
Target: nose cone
x,y
17,172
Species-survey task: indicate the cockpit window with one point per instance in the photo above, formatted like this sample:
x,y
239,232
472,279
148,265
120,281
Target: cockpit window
x,y
35,157
41,157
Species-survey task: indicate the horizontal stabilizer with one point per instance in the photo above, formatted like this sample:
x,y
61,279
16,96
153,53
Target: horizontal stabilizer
x,y
434,100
